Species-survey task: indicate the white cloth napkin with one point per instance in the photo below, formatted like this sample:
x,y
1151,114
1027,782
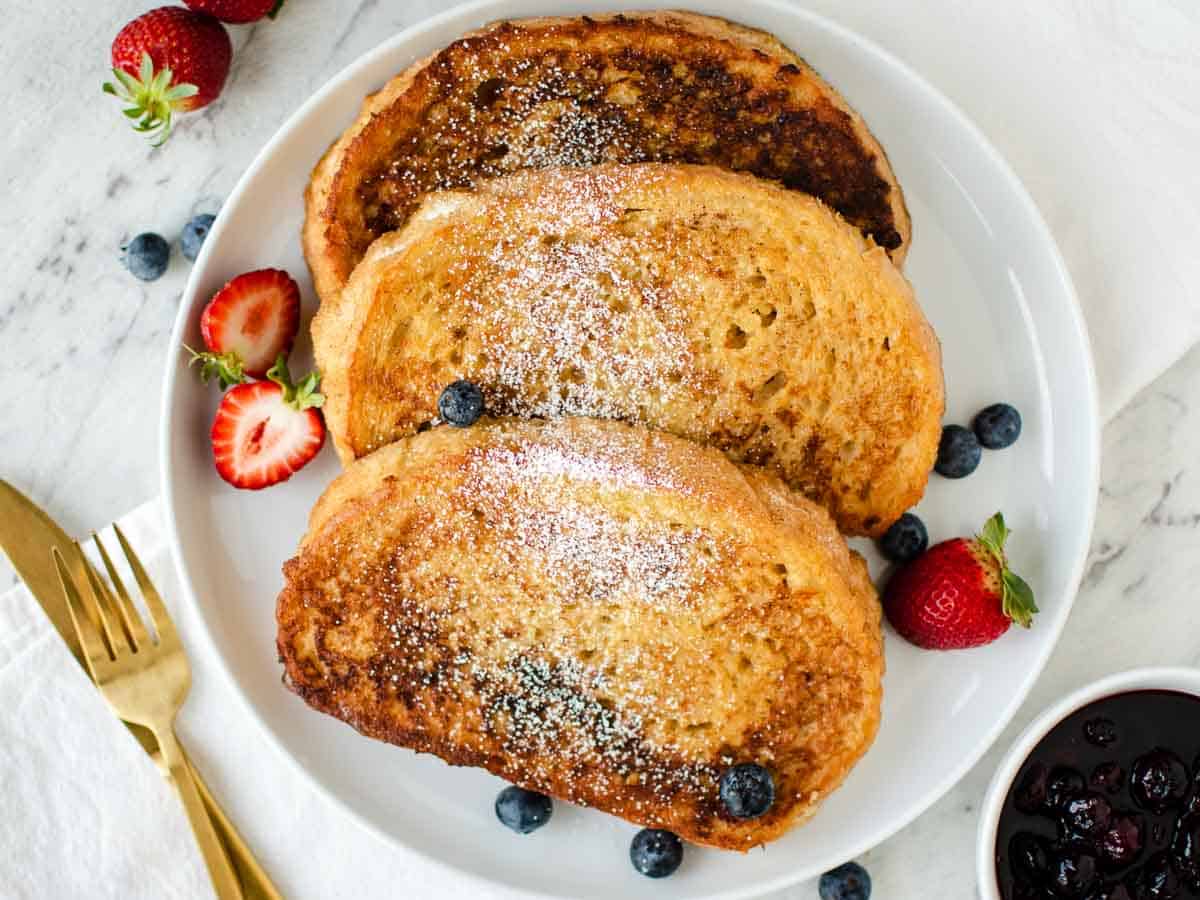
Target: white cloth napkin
x,y
86,814
1096,104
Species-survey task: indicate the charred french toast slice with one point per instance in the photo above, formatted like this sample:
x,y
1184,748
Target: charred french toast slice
x,y
592,610
626,88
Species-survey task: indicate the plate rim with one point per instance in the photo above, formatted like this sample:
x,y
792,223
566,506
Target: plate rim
x,y
495,9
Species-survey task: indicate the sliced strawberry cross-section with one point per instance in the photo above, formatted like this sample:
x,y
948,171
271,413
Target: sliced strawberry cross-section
x,y
255,317
266,431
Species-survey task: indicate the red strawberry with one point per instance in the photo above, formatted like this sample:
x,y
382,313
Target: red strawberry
x,y
237,12
959,593
248,324
266,431
166,61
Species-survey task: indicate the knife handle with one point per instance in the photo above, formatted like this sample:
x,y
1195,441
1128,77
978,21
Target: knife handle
x,y
256,884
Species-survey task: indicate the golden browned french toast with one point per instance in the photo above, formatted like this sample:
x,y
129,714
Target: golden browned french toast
x,y
592,610
634,87
710,304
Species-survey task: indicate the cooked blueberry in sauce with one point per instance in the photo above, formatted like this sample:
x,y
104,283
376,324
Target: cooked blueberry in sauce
x,y
1108,777
1063,785
1158,780
1100,731
1121,842
1107,806
1029,795
1084,817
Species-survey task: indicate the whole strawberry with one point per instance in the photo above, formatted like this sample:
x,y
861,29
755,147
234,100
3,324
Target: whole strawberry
x,y
167,61
959,593
237,12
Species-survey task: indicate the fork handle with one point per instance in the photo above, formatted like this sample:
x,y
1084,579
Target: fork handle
x,y
220,870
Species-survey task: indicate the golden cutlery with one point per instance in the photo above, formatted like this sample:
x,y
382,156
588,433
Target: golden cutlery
x,y
144,680
27,535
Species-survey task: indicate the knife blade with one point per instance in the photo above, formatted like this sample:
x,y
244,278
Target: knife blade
x,y
27,536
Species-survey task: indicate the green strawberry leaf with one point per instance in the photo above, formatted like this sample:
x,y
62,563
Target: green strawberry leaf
x,y
994,535
1019,604
298,396
275,10
1016,594
225,367
150,98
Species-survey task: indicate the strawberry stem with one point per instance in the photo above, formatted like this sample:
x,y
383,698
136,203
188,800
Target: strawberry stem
x,y
1016,594
275,10
225,367
150,99
298,396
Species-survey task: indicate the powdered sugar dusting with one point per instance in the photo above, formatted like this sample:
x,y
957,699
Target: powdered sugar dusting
x,y
560,698
574,314
532,495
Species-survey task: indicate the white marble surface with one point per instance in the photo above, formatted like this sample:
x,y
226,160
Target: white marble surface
x,y
83,343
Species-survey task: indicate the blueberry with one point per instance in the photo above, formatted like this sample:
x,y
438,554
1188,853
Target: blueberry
x,y
461,404
1028,856
655,853
147,255
1085,816
1030,794
1121,843
523,811
1063,784
1110,891
1158,780
1185,847
1108,776
1158,880
997,426
194,233
905,540
958,453
747,790
849,881
1100,731
1072,872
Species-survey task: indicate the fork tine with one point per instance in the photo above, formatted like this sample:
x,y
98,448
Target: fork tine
x,y
158,612
89,636
103,609
131,619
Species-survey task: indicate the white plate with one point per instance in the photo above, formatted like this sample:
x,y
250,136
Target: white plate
x,y
991,280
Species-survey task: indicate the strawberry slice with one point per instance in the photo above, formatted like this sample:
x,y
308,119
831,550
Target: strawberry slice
x,y
267,431
248,324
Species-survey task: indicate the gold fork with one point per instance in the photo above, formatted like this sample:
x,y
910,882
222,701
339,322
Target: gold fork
x,y
144,681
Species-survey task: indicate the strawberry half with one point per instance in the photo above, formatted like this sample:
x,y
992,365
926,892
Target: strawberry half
x,y
267,431
166,61
248,324
960,593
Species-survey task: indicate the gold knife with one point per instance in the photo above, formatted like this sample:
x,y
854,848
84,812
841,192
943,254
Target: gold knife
x,y
27,535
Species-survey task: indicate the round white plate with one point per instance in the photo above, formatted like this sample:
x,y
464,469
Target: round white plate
x,y
990,279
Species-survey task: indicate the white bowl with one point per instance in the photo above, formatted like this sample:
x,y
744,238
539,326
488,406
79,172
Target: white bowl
x,y
1186,681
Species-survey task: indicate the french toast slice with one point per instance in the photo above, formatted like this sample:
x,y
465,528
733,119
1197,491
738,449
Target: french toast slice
x,y
631,87
714,305
592,610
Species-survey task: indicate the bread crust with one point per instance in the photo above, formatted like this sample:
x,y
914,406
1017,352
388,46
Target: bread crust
x,y
630,87
592,610
710,304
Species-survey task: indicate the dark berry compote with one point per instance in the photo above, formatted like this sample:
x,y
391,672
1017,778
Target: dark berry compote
x,y
1107,806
